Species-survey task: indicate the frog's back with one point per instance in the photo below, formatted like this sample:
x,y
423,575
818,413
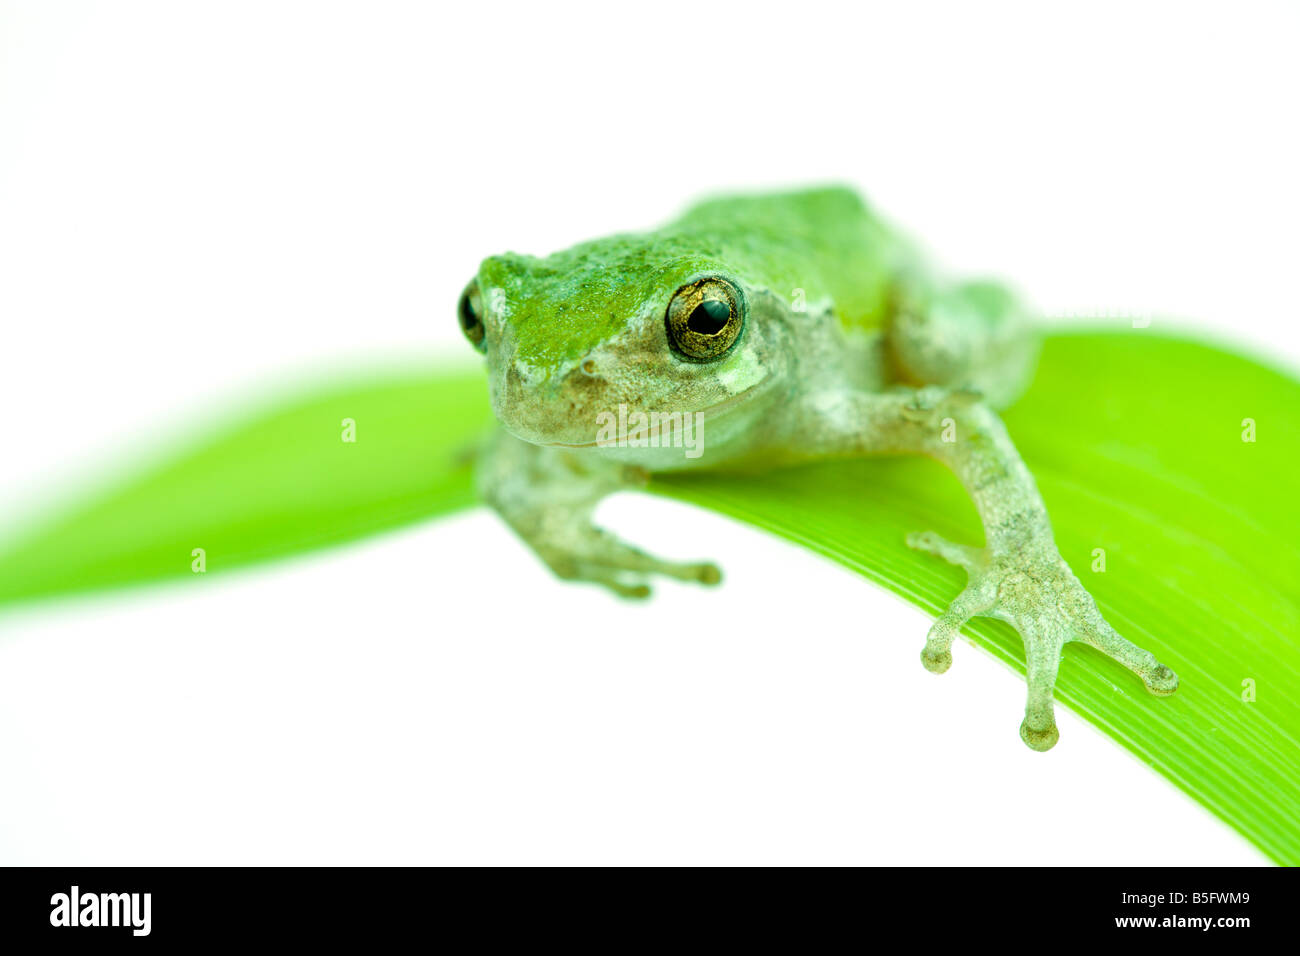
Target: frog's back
x,y
815,249
823,246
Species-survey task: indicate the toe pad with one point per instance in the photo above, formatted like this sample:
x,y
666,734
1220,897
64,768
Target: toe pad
x,y
1039,740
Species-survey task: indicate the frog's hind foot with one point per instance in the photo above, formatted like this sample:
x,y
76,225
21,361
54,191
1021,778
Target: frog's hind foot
x,y
1034,591
598,557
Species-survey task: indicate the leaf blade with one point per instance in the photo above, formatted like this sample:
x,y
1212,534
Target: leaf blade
x,y
1134,440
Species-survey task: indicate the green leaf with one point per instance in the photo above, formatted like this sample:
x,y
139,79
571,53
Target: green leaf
x,y
280,481
1136,442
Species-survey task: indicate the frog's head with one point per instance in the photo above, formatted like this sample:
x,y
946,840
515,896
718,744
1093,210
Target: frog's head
x,y
645,322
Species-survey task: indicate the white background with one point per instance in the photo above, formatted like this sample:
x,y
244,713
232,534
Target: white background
x,y
197,200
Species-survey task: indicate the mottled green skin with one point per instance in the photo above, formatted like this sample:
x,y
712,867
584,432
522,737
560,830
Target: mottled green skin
x,y
848,346
825,242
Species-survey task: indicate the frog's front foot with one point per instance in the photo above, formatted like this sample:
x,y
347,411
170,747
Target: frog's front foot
x,y
1033,590
593,555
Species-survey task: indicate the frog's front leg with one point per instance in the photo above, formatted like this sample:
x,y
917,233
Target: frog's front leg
x,y
1019,576
548,496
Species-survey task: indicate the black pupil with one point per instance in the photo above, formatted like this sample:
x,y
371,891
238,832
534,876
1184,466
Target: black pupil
x,y
709,318
468,318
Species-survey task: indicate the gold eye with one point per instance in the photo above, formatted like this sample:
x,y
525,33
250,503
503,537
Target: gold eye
x,y
704,318
470,313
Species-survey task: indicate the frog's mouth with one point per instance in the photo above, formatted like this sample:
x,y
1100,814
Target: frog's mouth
x,y
656,430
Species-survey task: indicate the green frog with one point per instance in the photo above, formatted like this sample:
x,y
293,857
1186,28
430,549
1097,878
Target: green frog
x,y
761,331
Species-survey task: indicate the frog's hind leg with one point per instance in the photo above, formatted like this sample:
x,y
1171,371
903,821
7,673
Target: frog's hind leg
x,y
974,335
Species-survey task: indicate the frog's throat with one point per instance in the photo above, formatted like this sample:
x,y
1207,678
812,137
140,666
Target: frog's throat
x,y
712,411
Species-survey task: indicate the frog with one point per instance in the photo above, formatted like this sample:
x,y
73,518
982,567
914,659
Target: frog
x,y
764,330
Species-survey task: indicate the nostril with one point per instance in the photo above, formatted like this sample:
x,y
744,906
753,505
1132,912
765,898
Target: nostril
x,y
588,367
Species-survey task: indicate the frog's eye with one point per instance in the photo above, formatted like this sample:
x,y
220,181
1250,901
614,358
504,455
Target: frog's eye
x,y
705,317
470,313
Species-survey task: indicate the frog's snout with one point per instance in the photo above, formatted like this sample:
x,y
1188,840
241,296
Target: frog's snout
x,y
561,407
